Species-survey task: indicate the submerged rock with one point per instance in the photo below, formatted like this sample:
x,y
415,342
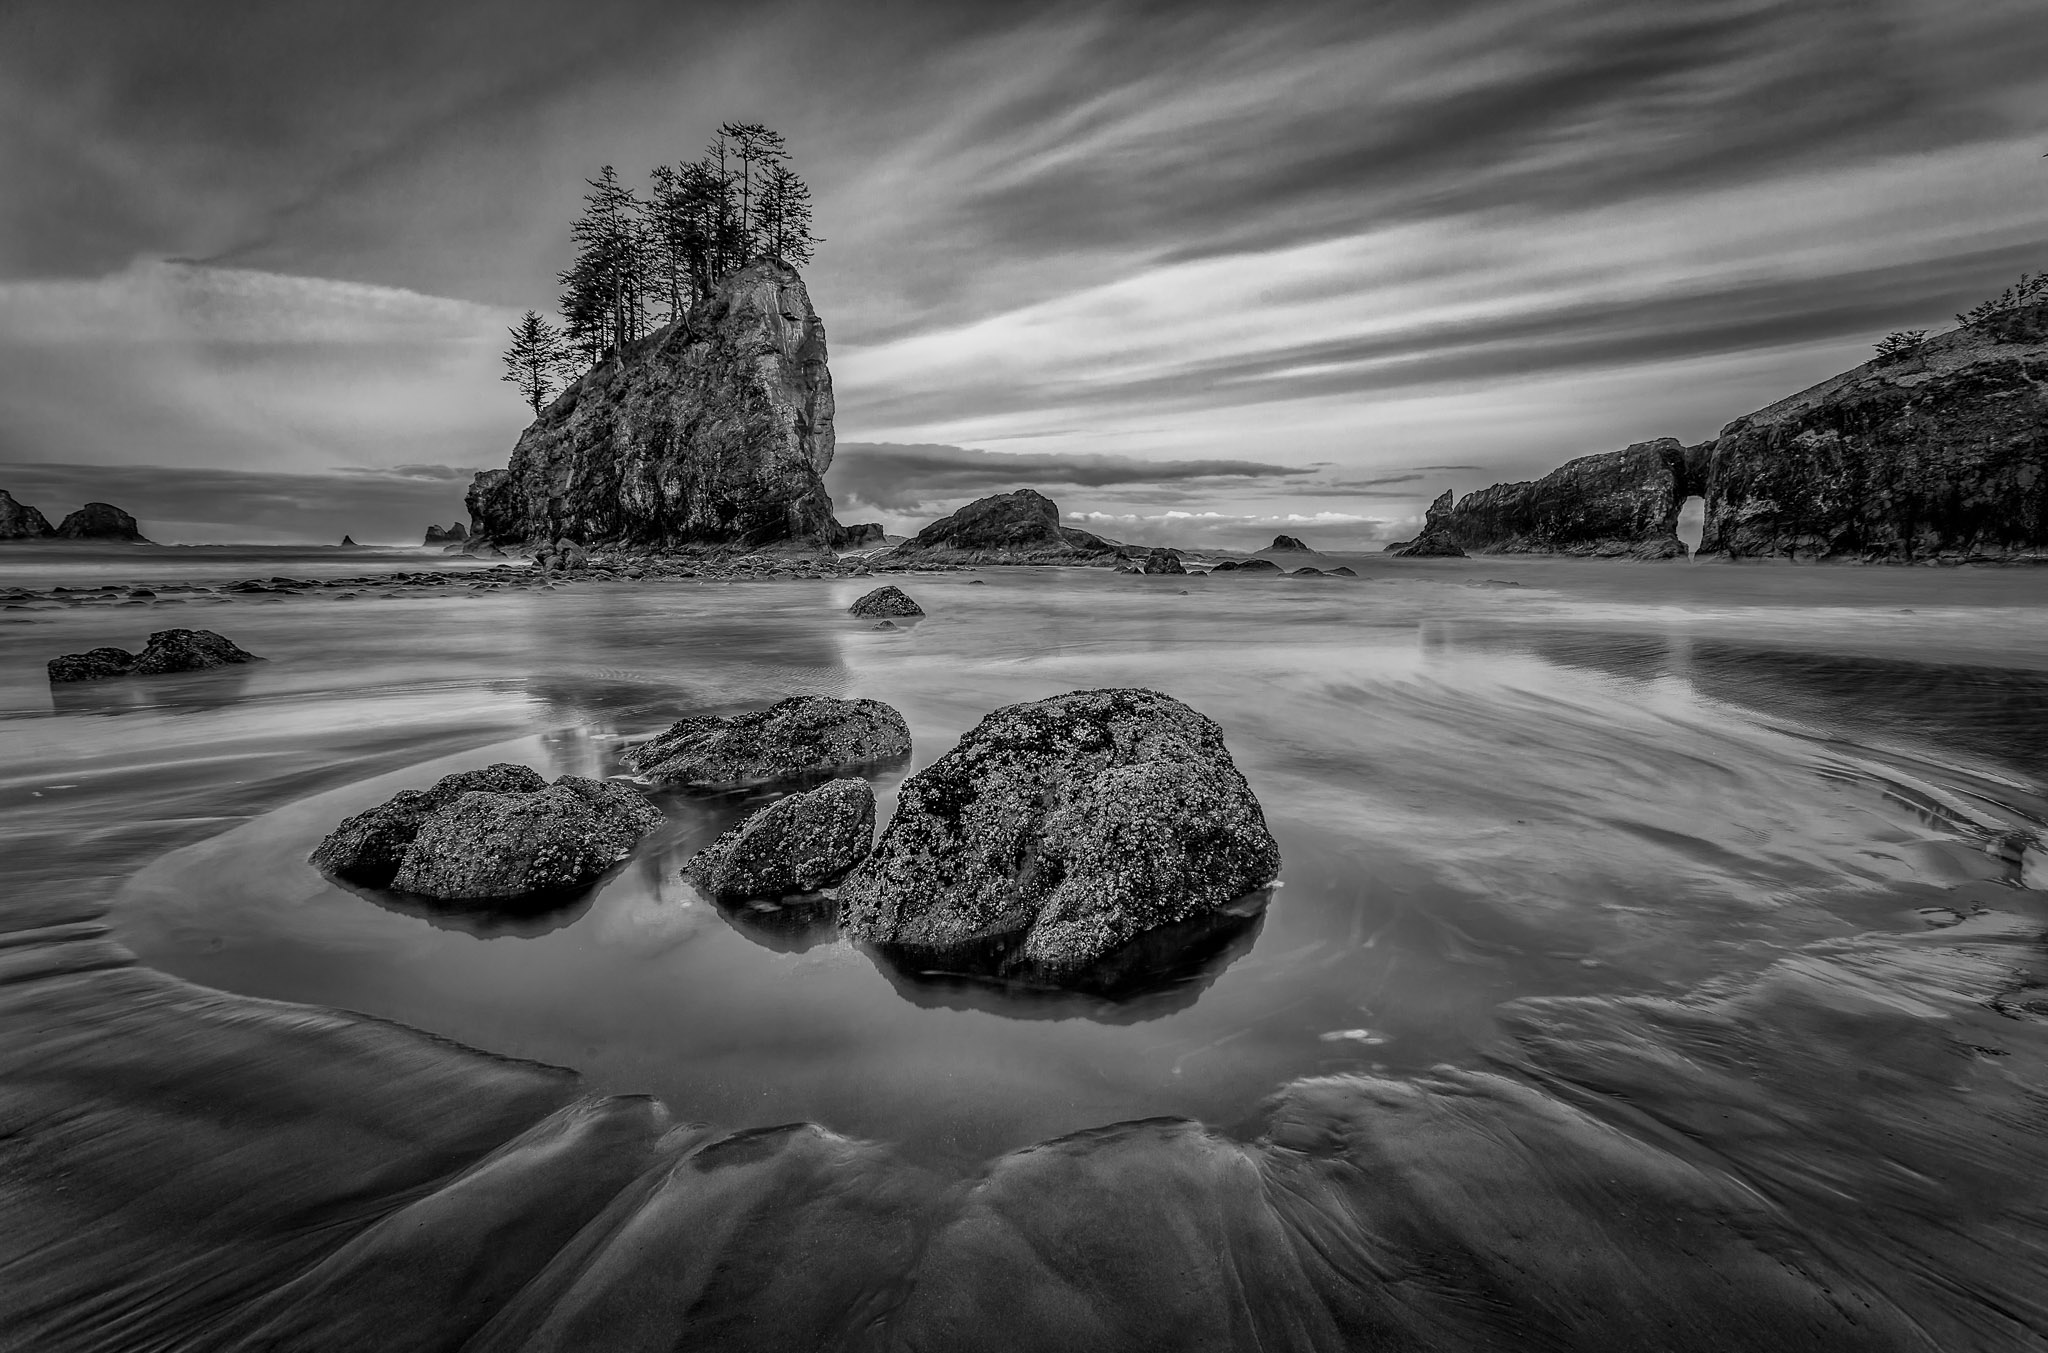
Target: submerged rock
x,y
885,601
1060,829
100,521
96,664
1005,528
795,845
802,736
488,845
19,521
368,849
189,651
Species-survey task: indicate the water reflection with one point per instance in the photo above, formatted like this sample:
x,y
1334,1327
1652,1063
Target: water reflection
x,y
172,693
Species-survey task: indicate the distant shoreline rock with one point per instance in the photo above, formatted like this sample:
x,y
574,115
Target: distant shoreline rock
x,y
1021,527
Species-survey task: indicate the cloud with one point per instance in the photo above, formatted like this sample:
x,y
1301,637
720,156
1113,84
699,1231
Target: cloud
x,y
905,478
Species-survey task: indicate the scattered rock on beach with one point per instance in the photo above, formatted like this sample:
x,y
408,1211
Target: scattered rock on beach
x,y
168,651
883,601
1058,830
794,845
802,736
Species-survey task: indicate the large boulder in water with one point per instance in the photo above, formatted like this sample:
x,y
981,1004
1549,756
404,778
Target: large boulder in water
x,y
485,846
1005,528
885,601
795,845
19,521
96,664
189,651
1057,831
368,849
100,521
797,738
713,431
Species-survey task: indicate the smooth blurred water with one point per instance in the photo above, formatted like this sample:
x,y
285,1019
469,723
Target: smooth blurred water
x,y
1491,780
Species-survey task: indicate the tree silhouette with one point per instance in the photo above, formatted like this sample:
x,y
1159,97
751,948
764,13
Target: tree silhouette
x,y
604,290
785,218
538,355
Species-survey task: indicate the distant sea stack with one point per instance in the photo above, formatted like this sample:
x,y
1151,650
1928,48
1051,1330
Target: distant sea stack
x,y
100,521
19,521
1006,528
1936,455
714,431
452,534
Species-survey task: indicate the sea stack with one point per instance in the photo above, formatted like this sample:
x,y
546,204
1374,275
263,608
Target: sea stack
x,y
100,521
1022,527
713,431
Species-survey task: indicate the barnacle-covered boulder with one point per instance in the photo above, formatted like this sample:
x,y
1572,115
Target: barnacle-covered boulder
x,y
885,601
795,845
1060,829
803,736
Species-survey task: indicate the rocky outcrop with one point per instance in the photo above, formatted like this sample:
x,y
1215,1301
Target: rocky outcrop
x,y
1436,540
885,601
19,521
100,521
167,651
865,535
1615,505
714,431
797,844
1162,561
1005,528
497,833
452,534
802,736
348,542
1289,545
1058,830
1941,456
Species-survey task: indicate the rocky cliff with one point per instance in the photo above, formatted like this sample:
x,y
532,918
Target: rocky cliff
x,y
714,431
1006,528
1941,456
1615,505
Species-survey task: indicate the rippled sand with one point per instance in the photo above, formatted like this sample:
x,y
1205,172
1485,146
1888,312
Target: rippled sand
x,y
1654,968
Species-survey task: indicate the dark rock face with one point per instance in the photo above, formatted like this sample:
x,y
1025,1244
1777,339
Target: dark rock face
x,y
348,542
1163,561
795,845
1942,457
94,665
1290,545
1060,829
1616,505
865,535
1436,540
368,849
485,845
100,521
452,534
802,736
167,651
19,521
712,432
1006,528
885,601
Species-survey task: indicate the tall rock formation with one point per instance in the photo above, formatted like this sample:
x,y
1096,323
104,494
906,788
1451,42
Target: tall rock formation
x,y
100,521
1942,456
714,431
19,521
1022,527
1615,505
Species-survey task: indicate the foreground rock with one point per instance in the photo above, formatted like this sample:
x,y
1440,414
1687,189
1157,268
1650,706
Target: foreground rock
x,y
19,521
100,521
795,845
802,736
167,651
499,832
885,601
717,430
1005,528
1058,830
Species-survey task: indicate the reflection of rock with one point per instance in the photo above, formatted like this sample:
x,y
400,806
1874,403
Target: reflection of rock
x,y
802,736
788,925
795,845
1058,830
167,651
1005,528
100,521
885,601
492,845
1149,976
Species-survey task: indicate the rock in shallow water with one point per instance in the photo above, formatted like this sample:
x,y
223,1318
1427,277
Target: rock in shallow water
x,y
96,664
801,736
885,601
1064,827
167,651
794,845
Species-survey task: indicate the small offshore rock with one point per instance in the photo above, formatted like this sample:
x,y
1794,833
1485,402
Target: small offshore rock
x,y
795,845
1290,545
802,736
96,664
1060,829
890,600
188,651
1162,561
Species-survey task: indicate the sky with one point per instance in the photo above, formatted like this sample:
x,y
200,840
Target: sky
x,y
1202,272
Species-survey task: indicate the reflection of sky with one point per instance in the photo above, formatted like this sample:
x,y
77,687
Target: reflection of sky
x,y
1349,241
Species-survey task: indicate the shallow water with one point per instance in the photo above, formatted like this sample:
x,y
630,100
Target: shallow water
x,y
1494,783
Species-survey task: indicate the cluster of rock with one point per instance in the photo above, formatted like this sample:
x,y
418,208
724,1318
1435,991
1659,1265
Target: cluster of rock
x,y
494,834
167,651
713,431
94,521
1937,456
454,533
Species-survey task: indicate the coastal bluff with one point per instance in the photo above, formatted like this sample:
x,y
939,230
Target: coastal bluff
x,y
713,431
1939,455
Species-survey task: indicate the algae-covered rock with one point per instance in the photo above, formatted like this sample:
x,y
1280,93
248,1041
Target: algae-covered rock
x,y
802,736
796,844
